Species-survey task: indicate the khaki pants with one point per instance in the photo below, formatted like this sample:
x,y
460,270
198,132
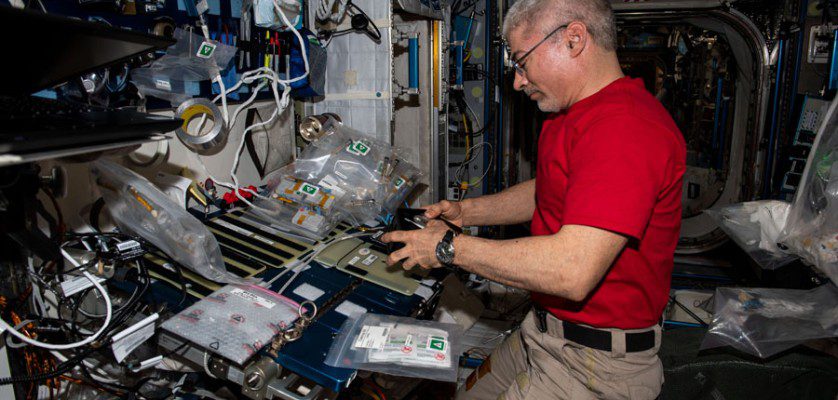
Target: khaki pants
x,y
534,365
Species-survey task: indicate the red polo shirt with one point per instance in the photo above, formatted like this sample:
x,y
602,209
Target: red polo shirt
x,y
614,161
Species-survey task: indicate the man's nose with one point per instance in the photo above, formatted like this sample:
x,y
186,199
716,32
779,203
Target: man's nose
x,y
519,82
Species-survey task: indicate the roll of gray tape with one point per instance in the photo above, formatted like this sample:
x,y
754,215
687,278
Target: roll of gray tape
x,y
196,113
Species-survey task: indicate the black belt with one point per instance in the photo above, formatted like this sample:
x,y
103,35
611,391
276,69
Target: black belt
x,y
595,338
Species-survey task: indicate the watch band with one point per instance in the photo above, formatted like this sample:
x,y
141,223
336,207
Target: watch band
x,y
445,248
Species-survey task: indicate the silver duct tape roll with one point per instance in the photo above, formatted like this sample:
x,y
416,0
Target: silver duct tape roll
x,y
195,109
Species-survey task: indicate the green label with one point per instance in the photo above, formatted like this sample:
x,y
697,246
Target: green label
x,y
206,50
398,182
309,189
359,148
436,343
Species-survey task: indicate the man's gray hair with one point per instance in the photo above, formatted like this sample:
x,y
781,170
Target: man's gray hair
x,y
546,15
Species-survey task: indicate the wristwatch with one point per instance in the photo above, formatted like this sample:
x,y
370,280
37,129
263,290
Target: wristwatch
x,y
445,249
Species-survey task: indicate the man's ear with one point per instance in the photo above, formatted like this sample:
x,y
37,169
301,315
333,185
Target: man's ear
x,y
577,38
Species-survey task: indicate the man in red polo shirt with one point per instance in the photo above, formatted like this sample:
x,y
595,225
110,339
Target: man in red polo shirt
x,y
605,209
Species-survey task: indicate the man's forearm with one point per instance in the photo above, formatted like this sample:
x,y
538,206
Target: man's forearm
x,y
514,205
568,264
526,263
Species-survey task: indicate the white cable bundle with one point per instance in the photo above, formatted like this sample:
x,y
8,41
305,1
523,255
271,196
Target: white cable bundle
x,y
282,102
108,310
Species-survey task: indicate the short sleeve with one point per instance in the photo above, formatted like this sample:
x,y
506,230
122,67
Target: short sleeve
x,y
617,169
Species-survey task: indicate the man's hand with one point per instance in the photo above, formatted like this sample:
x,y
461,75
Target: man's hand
x,y
447,210
420,246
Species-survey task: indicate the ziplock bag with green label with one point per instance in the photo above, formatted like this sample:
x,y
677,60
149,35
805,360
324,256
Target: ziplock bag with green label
x,y
298,206
139,208
356,167
399,183
398,346
191,59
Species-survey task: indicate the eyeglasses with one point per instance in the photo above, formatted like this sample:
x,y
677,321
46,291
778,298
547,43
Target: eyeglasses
x,y
518,64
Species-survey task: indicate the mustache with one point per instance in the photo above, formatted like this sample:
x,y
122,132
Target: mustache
x,y
529,91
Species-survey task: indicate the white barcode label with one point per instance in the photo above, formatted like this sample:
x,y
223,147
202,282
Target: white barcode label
x,y
369,260
254,298
372,337
127,245
163,84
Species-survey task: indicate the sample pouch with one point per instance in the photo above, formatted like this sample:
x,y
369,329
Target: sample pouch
x,y
358,169
138,207
764,322
191,59
235,321
398,346
298,206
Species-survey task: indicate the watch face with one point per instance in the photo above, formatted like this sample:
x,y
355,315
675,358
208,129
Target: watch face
x,y
445,253
445,249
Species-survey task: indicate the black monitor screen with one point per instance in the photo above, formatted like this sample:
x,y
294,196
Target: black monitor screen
x,y
43,50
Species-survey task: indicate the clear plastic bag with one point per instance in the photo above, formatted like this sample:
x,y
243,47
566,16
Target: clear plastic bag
x,y
764,322
156,82
811,231
398,346
191,59
399,184
138,207
360,170
235,321
755,226
299,206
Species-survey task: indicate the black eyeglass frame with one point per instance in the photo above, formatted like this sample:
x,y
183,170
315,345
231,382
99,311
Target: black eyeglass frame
x,y
518,65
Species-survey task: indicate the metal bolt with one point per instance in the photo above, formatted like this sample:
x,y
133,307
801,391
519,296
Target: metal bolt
x,y
254,380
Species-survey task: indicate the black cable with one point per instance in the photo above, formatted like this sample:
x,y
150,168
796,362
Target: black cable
x,y
138,387
184,290
375,36
120,316
124,313
175,350
108,387
360,22
59,370
95,211
688,311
